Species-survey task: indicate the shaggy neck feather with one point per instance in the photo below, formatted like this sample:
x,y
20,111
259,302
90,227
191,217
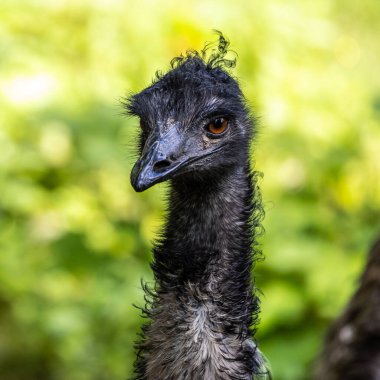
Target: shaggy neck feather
x,y
203,305
208,236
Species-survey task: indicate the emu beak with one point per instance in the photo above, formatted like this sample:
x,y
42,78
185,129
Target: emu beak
x,y
157,162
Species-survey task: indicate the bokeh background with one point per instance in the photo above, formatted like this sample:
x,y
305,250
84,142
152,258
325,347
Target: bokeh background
x,y
74,237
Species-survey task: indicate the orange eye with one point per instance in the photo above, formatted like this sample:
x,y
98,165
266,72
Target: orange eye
x,y
218,126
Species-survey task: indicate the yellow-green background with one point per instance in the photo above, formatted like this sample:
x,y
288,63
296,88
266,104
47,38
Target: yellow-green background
x,y
75,238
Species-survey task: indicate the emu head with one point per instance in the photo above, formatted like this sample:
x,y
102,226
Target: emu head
x,y
194,121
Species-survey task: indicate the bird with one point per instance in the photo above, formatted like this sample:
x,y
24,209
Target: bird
x,y
196,131
352,345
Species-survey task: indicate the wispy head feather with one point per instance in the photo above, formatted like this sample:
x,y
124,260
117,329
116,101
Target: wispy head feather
x,y
213,54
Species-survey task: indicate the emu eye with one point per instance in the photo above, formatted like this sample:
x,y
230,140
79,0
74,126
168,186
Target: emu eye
x,y
218,126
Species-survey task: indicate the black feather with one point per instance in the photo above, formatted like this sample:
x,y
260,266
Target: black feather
x,y
203,309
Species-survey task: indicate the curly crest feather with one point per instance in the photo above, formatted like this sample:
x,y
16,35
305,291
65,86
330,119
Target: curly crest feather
x,y
213,55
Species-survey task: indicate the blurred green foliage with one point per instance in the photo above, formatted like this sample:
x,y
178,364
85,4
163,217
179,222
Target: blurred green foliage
x,y
75,239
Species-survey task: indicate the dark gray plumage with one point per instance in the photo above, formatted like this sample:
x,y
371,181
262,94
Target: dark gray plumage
x,y
196,131
352,347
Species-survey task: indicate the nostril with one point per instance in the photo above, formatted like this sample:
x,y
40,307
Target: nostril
x,y
161,165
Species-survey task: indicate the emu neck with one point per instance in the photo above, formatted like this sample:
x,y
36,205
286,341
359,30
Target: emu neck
x,y
204,307
208,236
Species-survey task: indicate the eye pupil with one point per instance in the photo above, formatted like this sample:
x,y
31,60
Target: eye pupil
x,y
218,123
218,126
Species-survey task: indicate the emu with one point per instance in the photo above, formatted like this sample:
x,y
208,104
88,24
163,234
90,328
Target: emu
x,y
196,131
352,347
